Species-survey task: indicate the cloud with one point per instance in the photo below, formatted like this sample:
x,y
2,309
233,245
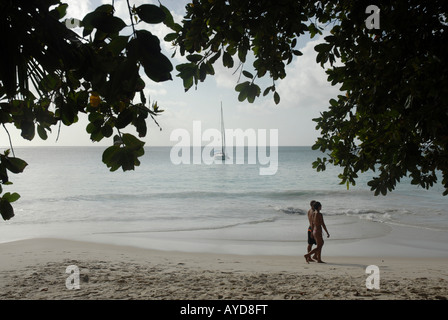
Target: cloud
x,y
225,77
306,84
304,92
78,9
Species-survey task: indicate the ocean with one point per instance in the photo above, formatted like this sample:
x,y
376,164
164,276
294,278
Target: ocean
x,y
67,192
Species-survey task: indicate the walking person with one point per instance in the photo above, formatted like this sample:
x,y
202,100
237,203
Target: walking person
x,y
317,223
311,240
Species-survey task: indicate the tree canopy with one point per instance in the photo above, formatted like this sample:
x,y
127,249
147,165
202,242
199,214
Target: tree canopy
x,y
391,116
49,74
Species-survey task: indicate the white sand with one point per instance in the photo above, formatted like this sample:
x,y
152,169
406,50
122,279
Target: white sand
x,y
35,269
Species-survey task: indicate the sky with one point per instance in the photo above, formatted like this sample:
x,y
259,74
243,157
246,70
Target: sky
x,y
304,93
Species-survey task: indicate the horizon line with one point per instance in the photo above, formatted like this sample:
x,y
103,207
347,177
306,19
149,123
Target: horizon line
x,y
159,146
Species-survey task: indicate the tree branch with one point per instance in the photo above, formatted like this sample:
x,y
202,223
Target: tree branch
x,y
10,142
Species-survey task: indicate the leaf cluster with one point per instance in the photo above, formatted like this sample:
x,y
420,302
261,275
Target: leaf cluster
x,y
391,116
49,75
229,30
13,165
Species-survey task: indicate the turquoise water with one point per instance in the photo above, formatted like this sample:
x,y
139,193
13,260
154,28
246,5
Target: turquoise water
x,y
68,192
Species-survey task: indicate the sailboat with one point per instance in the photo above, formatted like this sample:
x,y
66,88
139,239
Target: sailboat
x,y
221,155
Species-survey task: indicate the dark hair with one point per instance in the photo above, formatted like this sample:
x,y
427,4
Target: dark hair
x,y
312,203
316,205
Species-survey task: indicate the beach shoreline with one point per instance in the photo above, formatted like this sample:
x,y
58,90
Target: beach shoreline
x,y
36,269
350,237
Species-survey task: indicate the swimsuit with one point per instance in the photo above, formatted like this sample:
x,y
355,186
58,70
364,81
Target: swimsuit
x,y
311,240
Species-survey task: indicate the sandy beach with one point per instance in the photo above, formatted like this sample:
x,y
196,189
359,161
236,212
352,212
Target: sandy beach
x,y
36,269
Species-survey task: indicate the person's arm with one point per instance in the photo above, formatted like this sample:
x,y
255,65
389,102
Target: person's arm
x,y
312,221
325,227
310,214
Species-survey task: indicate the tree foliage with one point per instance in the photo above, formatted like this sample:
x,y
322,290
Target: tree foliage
x,y
229,30
49,75
392,114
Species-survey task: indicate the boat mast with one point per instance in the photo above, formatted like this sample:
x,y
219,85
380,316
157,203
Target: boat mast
x,y
223,135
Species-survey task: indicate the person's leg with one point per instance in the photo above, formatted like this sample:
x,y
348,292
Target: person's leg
x,y
320,243
314,252
309,250
311,241
308,255
319,254
315,255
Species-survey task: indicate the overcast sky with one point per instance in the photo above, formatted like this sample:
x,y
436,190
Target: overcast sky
x,y
304,94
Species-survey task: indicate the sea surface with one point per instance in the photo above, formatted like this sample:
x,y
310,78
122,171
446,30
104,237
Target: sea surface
x,y
67,192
